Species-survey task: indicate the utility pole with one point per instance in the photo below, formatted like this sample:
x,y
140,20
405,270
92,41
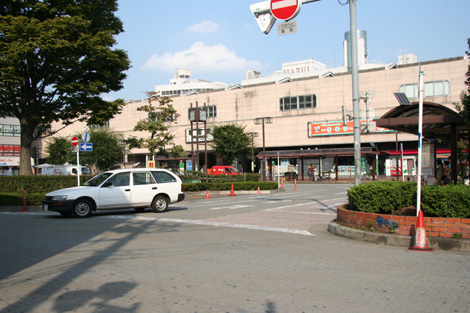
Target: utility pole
x,y
265,19
355,92
263,121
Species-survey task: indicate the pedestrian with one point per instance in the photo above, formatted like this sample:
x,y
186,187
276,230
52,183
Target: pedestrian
x,y
311,172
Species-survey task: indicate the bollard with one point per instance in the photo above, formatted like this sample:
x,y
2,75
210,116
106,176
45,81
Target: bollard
x,y
24,201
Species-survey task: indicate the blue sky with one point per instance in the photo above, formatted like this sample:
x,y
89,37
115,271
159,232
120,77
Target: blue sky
x,y
219,40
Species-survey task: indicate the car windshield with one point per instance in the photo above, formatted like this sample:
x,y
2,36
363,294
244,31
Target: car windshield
x,y
234,169
97,180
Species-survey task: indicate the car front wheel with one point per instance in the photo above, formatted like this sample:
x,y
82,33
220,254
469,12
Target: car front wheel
x,y
160,204
82,208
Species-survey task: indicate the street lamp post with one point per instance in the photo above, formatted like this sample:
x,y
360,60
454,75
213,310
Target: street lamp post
x,y
263,121
253,135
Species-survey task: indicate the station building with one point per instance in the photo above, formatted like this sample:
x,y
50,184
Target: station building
x,y
306,109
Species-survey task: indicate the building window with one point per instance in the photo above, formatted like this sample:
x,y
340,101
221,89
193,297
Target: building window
x,y
440,88
298,102
211,111
10,150
155,116
96,126
10,130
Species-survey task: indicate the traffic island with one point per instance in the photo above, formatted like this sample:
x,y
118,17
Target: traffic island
x,y
400,230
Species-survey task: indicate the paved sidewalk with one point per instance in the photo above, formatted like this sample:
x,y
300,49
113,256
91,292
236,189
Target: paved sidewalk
x,y
53,264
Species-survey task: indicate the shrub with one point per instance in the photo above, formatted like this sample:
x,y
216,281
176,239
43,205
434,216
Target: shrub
x,y
390,197
381,196
446,201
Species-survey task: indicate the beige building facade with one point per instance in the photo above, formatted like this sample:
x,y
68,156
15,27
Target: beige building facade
x,y
306,112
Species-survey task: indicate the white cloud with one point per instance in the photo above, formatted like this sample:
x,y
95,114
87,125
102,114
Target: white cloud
x,y
202,59
204,27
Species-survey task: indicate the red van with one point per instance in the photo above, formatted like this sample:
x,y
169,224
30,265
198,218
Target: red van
x,y
223,170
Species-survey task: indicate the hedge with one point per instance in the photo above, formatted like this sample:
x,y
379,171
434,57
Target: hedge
x,y
390,197
195,176
39,183
188,187
16,199
11,187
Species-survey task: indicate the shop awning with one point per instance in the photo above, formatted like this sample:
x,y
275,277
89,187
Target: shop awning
x,y
316,153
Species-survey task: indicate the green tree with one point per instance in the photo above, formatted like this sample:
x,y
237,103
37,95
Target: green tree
x,y
160,115
56,59
59,151
465,96
108,148
230,141
464,110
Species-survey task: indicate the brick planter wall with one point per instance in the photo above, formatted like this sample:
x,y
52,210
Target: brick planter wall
x,y
404,225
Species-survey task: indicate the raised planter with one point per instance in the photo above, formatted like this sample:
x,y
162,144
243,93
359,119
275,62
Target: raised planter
x,y
404,225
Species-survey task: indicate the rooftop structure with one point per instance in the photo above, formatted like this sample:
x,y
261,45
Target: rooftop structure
x,y
182,84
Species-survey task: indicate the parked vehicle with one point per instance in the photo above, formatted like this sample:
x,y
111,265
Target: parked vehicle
x,y
66,169
223,170
138,188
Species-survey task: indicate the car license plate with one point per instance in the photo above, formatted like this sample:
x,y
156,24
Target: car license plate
x,y
45,207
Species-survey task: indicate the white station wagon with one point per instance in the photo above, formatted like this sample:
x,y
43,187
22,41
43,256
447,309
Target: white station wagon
x,y
119,189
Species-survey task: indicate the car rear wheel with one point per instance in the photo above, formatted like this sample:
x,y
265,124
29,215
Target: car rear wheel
x,y
160,204
82,208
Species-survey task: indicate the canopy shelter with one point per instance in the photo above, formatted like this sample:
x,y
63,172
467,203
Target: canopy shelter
x,y
316,153
439,122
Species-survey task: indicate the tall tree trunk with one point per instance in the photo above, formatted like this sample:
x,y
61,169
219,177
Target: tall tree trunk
x,y
25,152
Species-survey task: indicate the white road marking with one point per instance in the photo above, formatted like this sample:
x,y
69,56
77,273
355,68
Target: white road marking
x,y
319,205
273,202
215,224
233,207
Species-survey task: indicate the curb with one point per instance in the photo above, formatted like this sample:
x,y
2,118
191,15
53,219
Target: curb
x,y
437,243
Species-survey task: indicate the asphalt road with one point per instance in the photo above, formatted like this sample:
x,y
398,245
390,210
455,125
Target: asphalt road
x,y
248,253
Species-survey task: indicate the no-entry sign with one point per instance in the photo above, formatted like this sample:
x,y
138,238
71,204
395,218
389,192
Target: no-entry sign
x,y
285,9
75,141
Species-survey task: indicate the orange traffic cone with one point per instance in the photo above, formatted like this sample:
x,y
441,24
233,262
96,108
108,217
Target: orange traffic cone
x,y
421,243
207,194
295,181
259,192
283,183
232,192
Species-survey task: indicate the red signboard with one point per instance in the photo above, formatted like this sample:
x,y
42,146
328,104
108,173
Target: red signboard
x,y
285,9
336,128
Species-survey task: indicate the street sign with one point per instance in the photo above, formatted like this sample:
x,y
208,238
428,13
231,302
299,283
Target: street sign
x,y
287,28
75,141
86,146
285,9
86,137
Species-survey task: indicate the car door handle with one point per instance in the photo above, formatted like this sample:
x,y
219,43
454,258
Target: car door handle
x,y
127,190
154,188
